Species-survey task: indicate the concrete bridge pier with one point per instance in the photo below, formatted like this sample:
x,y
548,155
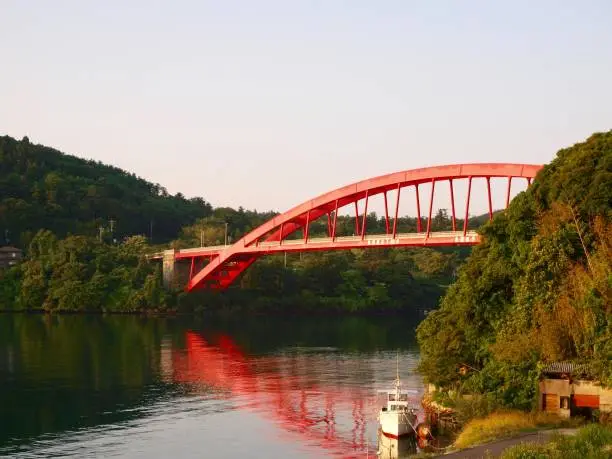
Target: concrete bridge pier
x,y
175,273
168,268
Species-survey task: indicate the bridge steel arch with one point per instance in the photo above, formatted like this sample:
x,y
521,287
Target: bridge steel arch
x,y
225,264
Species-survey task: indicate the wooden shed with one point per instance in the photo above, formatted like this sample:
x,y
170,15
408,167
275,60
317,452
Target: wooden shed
x,y
566,389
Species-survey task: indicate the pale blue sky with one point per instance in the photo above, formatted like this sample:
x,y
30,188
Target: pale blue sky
x,y
268,103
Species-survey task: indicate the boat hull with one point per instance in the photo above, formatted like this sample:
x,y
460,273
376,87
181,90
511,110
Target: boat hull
x,y
396,424
394,448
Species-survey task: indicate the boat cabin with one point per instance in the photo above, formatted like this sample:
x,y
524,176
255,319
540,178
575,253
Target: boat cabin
x,y
397,400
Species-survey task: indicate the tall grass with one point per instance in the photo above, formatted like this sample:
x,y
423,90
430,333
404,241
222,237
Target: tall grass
x,y
476,406
503,424
591,442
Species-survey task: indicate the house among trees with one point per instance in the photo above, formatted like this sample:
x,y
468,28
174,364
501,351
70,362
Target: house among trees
x,y
9,256
566,390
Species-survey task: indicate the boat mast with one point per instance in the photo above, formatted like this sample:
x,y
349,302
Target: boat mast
x,y
397,378
397,366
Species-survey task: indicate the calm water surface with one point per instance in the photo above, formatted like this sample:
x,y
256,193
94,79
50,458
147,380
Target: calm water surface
x,y
93,386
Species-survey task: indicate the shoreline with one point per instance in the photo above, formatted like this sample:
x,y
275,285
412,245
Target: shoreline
x,y
226,313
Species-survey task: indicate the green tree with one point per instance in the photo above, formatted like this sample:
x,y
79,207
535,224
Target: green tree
x,y
537,289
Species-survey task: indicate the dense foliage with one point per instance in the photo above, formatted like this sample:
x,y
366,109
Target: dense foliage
x,y
352,281
41,188
538,289
593,441
78,273
82,274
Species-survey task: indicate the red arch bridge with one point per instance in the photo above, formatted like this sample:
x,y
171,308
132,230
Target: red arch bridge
x,y
217,267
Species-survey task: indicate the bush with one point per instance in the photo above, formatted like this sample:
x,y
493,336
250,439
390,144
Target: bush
x,y
591,442
477,406
502,424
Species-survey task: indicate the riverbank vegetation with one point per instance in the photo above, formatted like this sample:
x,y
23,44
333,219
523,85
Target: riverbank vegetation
x,y
502,424
590,442
78,273
538,289
83,274
335,282
384,280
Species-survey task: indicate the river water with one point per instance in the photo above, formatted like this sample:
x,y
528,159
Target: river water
x,y
126,386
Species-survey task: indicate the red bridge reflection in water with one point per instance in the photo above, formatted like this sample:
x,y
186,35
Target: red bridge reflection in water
x,y
314,409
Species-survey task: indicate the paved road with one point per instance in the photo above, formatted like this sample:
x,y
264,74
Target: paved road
x,y
495,448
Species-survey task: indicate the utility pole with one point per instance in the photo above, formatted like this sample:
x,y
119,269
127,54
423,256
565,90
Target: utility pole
x,y
225,233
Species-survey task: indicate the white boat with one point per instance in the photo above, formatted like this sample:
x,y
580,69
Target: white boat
x,y
398,417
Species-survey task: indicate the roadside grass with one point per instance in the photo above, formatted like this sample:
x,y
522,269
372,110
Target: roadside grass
x,y
502,424
590,442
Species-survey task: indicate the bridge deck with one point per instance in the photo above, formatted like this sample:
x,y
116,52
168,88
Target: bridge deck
x,y
434,239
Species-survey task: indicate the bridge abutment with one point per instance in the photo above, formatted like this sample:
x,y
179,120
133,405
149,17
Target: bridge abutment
x,y
169,268
175,273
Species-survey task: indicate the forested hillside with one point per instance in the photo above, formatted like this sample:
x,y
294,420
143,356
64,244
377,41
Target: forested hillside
x,y
41,188
538,289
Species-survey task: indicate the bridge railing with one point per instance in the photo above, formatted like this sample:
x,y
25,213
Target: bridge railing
x,y
389,236
383,238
